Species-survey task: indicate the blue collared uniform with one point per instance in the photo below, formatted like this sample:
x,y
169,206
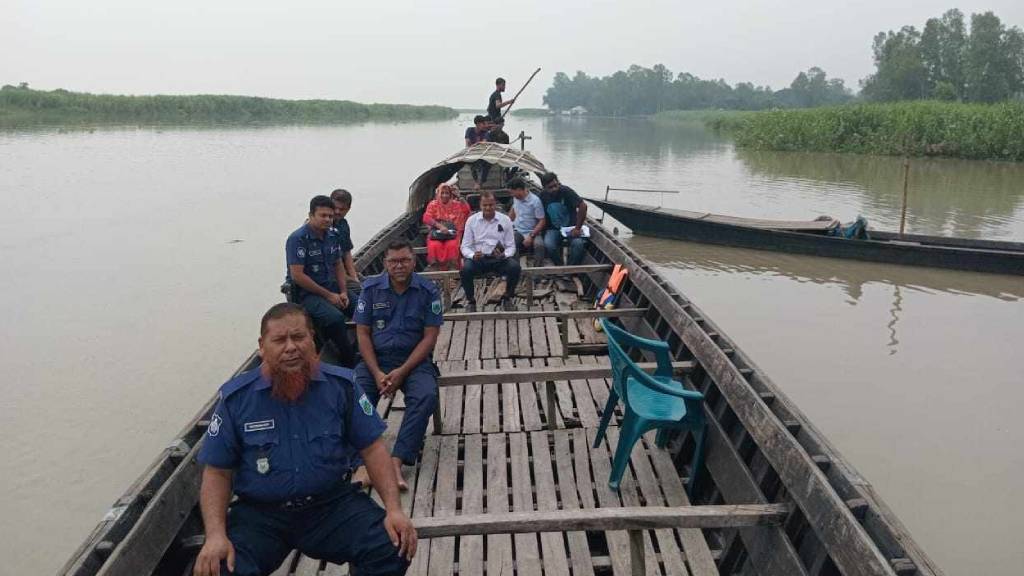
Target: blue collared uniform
x,y
319,258
290,463
397,323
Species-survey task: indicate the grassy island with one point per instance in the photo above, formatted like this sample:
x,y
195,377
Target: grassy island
x,y
20,105
922,128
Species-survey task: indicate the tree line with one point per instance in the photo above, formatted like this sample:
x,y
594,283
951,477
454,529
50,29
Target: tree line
x,y
643,91
944,61
948,61
21,104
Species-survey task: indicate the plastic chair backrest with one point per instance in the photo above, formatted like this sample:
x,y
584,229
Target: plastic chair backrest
x,y
616,355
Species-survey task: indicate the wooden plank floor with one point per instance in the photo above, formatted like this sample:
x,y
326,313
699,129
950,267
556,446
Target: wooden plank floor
x,y
496,454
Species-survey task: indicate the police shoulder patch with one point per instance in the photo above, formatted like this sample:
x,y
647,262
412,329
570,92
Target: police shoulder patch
x,y
435,306
214,428
365,404
301,252
361,307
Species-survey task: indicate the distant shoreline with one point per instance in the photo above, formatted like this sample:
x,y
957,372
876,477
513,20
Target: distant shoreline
x,y
21,106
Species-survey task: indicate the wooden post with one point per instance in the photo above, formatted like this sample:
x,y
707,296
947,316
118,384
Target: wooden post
x,y
529,291
437,419
552,421
636,553
563,332
906,179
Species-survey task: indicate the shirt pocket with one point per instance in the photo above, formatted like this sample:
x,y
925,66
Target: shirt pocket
x,y
262,444
327,444
381,318
413,320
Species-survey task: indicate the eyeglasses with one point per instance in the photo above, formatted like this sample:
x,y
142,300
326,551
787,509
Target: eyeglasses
x,y
398,261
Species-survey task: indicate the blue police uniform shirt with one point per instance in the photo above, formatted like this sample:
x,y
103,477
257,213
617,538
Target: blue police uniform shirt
x,y
344,232
318,256
397,320
281,451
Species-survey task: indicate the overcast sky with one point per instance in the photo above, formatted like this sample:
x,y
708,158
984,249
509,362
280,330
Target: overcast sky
x,y
435,52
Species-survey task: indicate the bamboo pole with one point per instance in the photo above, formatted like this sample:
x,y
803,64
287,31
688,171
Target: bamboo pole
x,y
906,181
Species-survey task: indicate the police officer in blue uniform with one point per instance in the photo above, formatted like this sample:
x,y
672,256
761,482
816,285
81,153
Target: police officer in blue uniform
x,y
280,439
316,270
398,317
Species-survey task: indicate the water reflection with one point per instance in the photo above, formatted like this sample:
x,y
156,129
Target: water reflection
x,y
852,278
948,197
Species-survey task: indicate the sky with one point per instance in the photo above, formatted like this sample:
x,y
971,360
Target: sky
x,y
436,52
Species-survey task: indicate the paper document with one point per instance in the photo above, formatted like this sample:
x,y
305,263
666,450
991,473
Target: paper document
x,y
584,231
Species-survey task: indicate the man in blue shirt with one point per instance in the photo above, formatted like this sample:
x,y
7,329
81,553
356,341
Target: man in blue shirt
x,y
316,271
398,317
280,438
528,220
564,208
342,205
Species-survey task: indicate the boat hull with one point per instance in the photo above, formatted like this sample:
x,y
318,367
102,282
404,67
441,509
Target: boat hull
x,y
910,250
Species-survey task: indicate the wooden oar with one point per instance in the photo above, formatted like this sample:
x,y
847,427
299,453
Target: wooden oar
x,y
520,92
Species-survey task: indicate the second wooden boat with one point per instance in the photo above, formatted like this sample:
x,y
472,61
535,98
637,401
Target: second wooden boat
x,y
813,237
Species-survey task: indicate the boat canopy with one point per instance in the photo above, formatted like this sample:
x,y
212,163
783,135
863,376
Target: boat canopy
x,y
422,189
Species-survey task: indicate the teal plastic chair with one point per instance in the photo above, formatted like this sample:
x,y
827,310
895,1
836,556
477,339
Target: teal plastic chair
x,y
650,402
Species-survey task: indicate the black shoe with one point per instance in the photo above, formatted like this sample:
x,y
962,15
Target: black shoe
x,y
471,307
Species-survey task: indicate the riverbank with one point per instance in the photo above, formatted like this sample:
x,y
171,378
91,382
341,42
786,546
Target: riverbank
x,y
923,128
25,106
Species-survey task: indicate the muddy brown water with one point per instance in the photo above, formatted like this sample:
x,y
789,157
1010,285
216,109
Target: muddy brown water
x,y
137,262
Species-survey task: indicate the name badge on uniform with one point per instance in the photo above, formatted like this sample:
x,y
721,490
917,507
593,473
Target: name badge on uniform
x,y
263,464
261,425
380,305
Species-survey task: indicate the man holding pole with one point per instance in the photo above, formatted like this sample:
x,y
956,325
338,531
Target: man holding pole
x,y
494,103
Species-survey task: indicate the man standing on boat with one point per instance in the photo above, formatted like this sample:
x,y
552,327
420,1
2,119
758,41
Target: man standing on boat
x,y
279,439
317,273
494,103
398,318
489,245
566,213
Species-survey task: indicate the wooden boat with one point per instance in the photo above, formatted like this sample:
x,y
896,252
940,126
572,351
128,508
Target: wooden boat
x,y
811,237
508,481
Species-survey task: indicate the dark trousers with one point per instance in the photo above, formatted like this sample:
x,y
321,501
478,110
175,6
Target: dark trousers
x,y
331,322
348,528
537,248
420,391
507,267
480,170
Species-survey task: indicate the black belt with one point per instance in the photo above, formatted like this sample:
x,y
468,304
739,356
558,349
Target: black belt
x,y
304,502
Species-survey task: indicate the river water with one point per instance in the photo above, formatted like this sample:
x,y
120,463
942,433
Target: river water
x,y
137,263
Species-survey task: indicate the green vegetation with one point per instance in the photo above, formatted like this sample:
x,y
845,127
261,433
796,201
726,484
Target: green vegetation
x,y
945,62
924,128
530,112
22,105
644,91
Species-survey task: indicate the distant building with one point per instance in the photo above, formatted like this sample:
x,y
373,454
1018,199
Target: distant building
x,y
577,111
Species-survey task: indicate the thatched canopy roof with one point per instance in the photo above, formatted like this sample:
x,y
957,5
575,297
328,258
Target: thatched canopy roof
x,y
422,189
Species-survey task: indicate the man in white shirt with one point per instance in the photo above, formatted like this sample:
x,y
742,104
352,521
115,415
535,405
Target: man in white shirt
x,y
489,245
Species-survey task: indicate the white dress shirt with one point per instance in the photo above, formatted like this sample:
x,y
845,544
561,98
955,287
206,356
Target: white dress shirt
x,y
482,235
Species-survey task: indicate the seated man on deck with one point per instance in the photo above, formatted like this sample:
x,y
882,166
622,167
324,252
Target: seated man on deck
x,y
317,274
528,220
497,133
566,213
279,439
489,245
398,317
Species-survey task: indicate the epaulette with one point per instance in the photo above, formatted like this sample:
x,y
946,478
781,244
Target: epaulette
x,y
333,370
239,382
372,281
425,284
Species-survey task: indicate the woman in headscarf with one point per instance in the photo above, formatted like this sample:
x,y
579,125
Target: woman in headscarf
x,y
446,217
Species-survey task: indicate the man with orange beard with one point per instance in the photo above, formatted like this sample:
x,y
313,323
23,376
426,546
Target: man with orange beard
x,y
280,439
